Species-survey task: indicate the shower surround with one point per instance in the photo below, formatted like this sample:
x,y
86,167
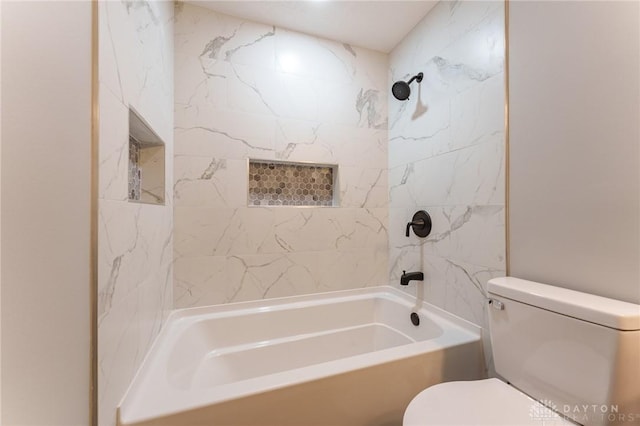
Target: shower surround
x,y
446,156
243,91
220,91
135,255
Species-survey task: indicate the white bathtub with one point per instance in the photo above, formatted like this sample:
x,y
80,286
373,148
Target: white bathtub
x,y
350,357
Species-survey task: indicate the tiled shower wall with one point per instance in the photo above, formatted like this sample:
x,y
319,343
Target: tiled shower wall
x,y
246,90
446,156
135,240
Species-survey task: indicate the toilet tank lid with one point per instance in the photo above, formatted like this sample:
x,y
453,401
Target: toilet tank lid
x,y
588,307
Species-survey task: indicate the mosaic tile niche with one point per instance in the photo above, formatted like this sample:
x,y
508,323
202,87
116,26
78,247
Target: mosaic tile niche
x,y
146,163
135,173
290,184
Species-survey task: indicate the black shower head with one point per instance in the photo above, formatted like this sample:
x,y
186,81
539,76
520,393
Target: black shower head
x,y
401,89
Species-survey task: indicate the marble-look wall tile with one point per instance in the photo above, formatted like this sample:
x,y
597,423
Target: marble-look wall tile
x,y
222,232
446,156
207,280
205,131
114,146
470,234
243,91
473,175
363,187
135,240
203,181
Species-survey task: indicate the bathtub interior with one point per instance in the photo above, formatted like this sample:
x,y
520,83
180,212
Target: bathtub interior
x,y
221,349
215,354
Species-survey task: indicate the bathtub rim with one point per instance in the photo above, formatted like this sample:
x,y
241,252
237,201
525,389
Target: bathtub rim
x,y
182,318
323,297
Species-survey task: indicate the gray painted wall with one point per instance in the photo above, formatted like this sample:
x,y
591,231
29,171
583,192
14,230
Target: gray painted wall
x,y
574,140
46,167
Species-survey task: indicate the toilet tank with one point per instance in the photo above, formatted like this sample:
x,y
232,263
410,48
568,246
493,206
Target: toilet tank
x,y
577,353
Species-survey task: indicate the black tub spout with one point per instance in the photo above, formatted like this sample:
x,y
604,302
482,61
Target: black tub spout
x,y
411,276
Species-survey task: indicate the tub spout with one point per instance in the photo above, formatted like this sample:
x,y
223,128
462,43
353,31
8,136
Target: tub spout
x,y
411,276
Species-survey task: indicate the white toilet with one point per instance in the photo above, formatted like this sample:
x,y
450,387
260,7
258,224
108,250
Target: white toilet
x,y
576,353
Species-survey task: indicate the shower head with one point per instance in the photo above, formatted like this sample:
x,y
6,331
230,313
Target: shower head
x,y
401,89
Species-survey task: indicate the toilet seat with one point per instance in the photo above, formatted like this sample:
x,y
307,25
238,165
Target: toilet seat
x,y
480,402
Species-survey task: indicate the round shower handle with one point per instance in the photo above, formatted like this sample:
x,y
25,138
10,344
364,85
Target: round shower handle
x,y
421,224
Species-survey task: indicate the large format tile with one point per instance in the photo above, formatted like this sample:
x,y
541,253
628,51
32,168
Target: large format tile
x,y
446,156
473,175
135,254
248,91
203,181
114,147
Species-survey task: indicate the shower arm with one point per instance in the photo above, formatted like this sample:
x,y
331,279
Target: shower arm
x,y
417,77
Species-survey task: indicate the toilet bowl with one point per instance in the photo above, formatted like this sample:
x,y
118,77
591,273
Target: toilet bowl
x,y
576,353
488,402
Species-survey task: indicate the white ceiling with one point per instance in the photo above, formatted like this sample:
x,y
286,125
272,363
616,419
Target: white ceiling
x,y
377,25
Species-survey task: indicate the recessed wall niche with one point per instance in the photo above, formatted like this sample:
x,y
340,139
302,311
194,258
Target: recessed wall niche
x,y
291,184
146,162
